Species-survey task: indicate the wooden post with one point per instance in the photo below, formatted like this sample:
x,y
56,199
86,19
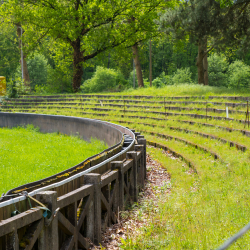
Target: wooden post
x,y
95,179
118,165
12,241
140,148
142,141
48,238
133,155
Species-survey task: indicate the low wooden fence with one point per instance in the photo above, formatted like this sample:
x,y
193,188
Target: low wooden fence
x,y
81,215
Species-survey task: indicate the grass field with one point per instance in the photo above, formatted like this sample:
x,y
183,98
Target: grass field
x,y
209,202
28,155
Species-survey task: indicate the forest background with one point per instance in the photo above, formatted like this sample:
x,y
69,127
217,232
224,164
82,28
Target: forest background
x,y
158,45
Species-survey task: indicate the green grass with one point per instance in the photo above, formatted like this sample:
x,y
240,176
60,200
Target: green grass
x,y
201,210
28,155
205,208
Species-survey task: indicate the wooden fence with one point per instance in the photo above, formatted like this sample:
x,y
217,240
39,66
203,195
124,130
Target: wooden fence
x,y
81,215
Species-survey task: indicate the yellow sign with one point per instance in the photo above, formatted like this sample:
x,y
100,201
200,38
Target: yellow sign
x,y
2,85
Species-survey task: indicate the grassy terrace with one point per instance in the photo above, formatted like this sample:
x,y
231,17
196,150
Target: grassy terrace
x,y
209,198
28,155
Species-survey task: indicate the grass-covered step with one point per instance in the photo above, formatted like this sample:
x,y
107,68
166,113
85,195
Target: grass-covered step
x,y
197,115
198,213
186,97
160,107
161,146
211,136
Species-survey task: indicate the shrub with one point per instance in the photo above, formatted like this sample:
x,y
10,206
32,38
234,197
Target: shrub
x,y
238,75
183,75
104,80
217,70
158,82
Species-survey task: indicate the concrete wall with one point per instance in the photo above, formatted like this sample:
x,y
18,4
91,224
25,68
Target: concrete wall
x,y
85,128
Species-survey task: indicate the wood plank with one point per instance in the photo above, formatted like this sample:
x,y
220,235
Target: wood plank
x,y
20,220
75,195
82,241
65,225
32,233
84,212
68,244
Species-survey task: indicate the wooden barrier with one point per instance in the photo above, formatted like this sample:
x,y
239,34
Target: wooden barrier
x,y
83,212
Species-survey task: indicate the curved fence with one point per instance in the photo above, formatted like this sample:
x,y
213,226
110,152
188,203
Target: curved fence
x,y
84,199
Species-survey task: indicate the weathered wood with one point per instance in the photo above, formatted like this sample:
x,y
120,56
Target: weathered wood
x,y
76,195
118,165
48,238
140,166
133,155
20,220
31,235
95,179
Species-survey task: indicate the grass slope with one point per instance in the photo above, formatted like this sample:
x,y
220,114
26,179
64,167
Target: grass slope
x,y
28,155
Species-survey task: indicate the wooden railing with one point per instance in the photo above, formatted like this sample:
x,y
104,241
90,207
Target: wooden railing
x,y
79,216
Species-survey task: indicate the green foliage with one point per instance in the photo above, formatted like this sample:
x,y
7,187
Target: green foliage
x,y
9,52
104,80
38,70
12,89
17,87
239,75
181,76
217,70
28,155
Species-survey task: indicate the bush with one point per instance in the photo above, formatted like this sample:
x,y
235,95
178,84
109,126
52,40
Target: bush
x,y
238,75
158,82
183,75
217,70
104,80
38,70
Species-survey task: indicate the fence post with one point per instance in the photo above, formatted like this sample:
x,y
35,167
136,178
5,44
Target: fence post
x,y
95,235
12,241
48,238
141,167
133,155
118,165
142,141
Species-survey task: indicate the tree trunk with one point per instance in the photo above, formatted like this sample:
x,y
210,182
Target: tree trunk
x,y
205,64
199,63
77,65
24,67
150,62
137,65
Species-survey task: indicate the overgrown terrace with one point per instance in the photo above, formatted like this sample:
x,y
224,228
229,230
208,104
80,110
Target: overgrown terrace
x,y
209,198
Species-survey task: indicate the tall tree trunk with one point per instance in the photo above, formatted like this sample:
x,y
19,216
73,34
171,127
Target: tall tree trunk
x,y
150,62
77,65
205,64
199,63
24,67
137,65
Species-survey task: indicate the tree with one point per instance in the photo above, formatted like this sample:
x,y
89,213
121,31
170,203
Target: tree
x,y
200,21
88,27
